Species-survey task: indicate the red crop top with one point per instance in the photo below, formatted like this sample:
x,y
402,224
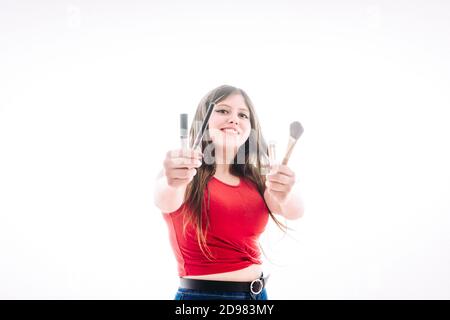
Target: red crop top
x,y
237,217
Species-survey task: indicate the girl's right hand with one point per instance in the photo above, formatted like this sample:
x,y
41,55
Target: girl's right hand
x,y
180,166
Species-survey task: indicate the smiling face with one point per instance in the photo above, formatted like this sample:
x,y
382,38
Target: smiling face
x,y
229,125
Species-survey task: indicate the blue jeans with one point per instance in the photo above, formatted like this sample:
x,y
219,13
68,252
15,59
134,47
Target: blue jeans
x,y
191,294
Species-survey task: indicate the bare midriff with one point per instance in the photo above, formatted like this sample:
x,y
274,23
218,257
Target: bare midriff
x,y
250,273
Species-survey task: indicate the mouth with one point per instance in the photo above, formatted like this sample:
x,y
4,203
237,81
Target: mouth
x,y
229,130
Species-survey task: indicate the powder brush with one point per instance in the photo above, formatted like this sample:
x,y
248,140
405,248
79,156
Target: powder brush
x,y
296,131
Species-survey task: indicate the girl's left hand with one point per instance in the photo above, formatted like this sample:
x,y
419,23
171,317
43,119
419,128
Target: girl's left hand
x,y
279,184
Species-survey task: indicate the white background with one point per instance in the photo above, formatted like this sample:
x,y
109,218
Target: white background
x,y
90,93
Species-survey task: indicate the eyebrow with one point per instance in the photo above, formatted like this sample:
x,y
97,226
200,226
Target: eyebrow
x,y
223,104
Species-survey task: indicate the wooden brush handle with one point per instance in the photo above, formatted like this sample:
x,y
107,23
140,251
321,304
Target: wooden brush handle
x,y
291,145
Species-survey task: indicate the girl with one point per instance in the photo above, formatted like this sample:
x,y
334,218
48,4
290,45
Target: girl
x,y
217,201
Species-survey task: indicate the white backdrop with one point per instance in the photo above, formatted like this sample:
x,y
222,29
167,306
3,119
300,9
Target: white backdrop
x,y
90,93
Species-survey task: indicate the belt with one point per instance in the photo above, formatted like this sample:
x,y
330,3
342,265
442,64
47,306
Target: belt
x,y
255,286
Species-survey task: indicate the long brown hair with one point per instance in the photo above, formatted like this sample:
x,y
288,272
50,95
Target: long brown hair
x,y
255,160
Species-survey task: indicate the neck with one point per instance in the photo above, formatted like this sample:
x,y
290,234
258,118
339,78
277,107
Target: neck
x,y
222,169
224,158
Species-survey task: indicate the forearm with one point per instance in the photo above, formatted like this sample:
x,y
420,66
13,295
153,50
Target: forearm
x,y
166,198
292,208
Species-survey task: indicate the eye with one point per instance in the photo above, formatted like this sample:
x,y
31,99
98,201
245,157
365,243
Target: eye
x,y
223,111
244,115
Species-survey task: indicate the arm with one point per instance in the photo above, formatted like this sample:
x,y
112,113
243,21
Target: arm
x,y
171,183
167,198
291,209
282,195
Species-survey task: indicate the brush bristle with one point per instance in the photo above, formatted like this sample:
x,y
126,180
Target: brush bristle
x,y
296,130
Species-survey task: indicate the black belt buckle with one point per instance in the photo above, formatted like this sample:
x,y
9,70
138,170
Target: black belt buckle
x,y
257,285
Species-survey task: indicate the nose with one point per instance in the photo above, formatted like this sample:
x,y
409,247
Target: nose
x,y
234,118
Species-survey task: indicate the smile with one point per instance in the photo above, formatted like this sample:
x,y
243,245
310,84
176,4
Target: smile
x,y
229,130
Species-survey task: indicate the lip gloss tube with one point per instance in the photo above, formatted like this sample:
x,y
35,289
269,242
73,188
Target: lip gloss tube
x,y
184,130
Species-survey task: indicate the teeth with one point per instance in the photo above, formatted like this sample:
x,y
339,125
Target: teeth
x,y
230,130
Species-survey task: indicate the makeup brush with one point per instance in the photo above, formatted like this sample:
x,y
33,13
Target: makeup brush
x,y
200,134
184,130
296,131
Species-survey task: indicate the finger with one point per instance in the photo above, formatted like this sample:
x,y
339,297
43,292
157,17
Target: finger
x,y
278,194
181,173
183,163
280,178
188,154
275,186
184,153
178,182
284,169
